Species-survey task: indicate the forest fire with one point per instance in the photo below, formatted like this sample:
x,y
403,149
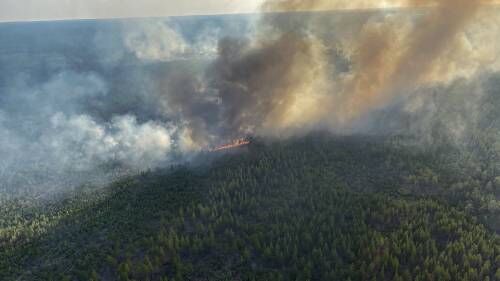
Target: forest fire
x,y
235,144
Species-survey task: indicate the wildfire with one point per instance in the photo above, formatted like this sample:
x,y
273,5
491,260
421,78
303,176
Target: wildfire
x,y
236,143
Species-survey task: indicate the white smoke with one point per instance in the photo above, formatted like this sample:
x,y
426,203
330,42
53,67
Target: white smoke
x,y
156,40
152,40
80,141
48,135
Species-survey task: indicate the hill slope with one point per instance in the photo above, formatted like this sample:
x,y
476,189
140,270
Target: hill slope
x,y
317,208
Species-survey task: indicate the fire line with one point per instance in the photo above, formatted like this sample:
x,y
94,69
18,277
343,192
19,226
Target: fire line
x,y
234,144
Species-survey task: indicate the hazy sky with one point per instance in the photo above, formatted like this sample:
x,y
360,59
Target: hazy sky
x,y
29,10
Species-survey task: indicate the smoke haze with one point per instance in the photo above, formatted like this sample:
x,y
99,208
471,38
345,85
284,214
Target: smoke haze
x,y
286,79
146,93
391,56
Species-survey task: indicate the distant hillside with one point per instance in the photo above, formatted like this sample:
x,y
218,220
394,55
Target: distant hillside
x,y
314,208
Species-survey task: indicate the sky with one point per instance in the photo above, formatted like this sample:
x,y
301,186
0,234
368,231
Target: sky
x,y
35,10
32,10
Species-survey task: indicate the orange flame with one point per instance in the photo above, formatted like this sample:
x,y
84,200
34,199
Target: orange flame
x,y
234,144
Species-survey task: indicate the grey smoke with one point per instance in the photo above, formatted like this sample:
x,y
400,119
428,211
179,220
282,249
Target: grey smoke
x,y
80,100
456,113
83,98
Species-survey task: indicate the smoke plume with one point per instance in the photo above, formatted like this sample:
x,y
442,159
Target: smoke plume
x,y
294,74
145,92
388,59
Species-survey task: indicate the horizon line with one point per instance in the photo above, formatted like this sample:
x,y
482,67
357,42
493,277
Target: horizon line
x,y
249,13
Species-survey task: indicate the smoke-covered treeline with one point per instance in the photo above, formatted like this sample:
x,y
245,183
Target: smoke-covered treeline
x,y
87,96
79,100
